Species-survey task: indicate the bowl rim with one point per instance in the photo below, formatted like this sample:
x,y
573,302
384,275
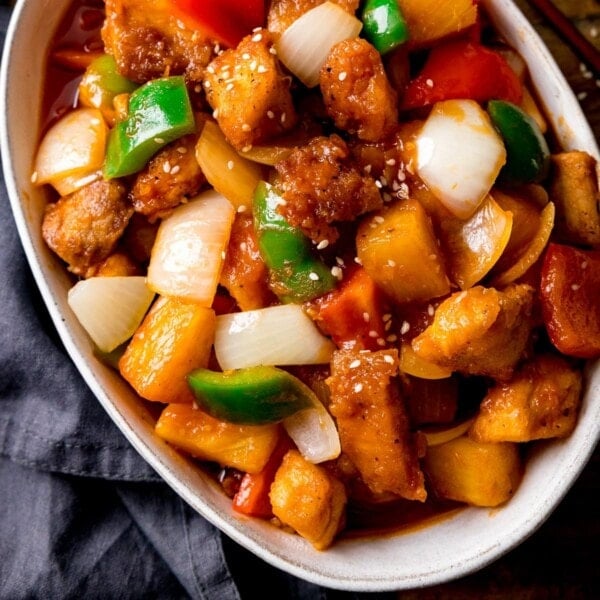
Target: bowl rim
x,y
183,478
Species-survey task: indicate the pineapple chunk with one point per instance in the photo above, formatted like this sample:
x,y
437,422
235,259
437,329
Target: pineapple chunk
x,y
174,338
243,447
480,474
431,20
398,249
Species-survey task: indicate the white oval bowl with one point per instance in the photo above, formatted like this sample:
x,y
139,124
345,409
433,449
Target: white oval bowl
x,y
430,555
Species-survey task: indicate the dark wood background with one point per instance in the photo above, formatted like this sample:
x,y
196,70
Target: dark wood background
x,y
561,560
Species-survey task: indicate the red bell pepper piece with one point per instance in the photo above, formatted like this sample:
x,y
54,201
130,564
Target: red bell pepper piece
x,y
252,497
569,290
463,69
353,314
227,21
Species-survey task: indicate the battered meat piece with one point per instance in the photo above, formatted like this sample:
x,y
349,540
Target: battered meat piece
x,y
373,424
170,177
282,13
309,499
541,401
148,41
574,191
356,91
321,184
249,93
83,228
480,331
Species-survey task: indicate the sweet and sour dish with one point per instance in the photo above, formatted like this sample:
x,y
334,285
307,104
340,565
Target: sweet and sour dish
x,y
334,243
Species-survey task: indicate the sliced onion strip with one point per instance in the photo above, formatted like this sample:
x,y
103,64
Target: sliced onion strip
x,y
459,155
110,309
276,335
187,256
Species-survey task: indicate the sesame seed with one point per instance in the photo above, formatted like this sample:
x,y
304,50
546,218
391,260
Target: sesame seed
x,y
322,244
229,86
357,260
392,338
243,246
215,113
207,84
158,140
575,287
34,177
354,364
582,96
246,56
273,51
388,359
246,127
337,273
175,170
366,317
367,168
283,117
380,342
339,261
387,317
391,263
405,328
390,162
313,276
430,310
182,149
373,334
378,184
342,75
223,254
262,69
378,219
247,148
241,208
584,264
270,114
253,65
257,37
210,69
429,83
358,388
230,165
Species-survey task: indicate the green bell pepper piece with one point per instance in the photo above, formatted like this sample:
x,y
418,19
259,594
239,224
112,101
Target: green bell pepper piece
x,y
296,274
159,113
101,82
250,396
384,25
527,152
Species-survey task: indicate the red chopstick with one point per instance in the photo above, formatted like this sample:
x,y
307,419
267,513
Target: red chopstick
x,y
567,30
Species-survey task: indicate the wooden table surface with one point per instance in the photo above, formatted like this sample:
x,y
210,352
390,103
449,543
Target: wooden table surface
x,y
560,561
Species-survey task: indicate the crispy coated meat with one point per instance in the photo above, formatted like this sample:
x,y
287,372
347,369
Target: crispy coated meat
x,y
148,41
84,227
168,179
321,184
356,91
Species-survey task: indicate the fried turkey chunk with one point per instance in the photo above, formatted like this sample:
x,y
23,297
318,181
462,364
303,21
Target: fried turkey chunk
x,y
373,424
168,179
541,401
321,184
356,91
84,227
480,331
148,41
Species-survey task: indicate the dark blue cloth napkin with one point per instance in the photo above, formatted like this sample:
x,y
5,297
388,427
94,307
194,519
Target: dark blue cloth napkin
x,y
81,514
